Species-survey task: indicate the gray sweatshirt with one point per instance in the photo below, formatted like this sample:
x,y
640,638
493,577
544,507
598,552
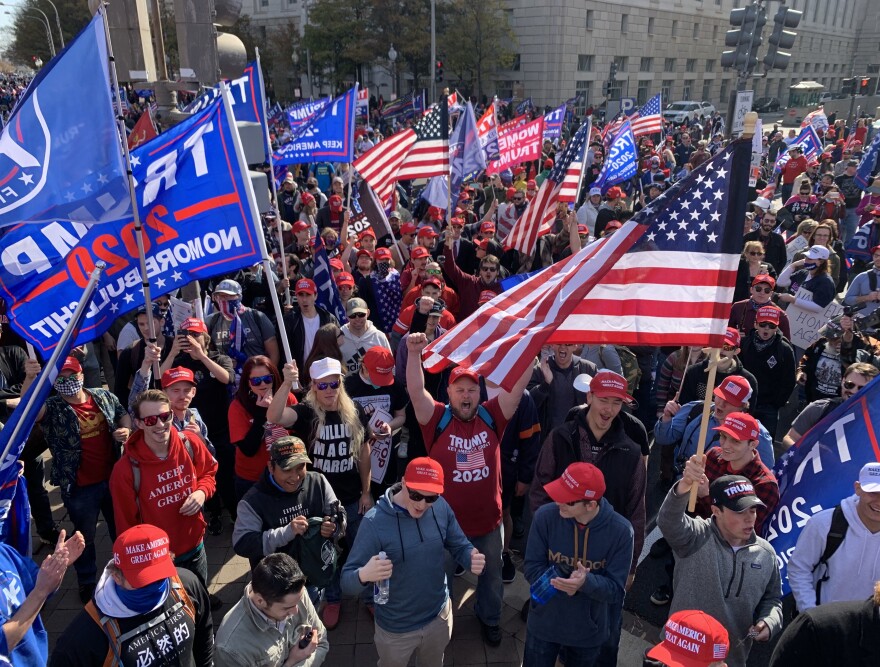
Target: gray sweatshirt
x,y
737,588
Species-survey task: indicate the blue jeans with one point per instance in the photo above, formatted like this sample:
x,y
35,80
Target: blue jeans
x,y
196,561
83,505
540,653
849,225
333,592
490,587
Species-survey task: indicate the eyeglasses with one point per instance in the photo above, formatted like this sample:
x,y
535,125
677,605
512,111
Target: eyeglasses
x,y
262,379
491,269
417,497
356,316
756,254
728,348
762,290
321,386
849,384
767,325
163,417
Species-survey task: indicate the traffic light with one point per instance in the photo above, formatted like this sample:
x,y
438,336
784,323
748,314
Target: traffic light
x,y
847,86
438,71
606,89
781,38
748,25
613,75
864,86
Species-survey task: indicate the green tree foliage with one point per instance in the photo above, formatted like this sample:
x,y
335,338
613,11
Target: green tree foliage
x,y
341,39
29,29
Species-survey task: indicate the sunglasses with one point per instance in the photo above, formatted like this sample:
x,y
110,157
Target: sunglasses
x,y
263,379
518,198
64,380
356,316
728,348
327,385
762,290
756,254
492,269
417,497
849,384
767,325
163,417
433,272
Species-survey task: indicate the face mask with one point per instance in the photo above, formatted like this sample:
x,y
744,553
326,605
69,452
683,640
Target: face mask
x,y
70,387
229,308
809,266
382,269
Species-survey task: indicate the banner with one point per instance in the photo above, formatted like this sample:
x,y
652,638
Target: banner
x,y
553,123
622,159
518,145
60,151
487,130
816,119
805,324
363,102
299,113
868,164
328,294
512,124
819,471
328,135
865,238
808,140
196,220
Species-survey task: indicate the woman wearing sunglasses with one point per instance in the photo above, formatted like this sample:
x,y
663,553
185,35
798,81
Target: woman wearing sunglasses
x,y
248,432
337,433
751,264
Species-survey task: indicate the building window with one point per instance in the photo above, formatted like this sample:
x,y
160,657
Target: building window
x,y
806,68
264,3
724,90
781,92
710,65
795,67
650,25
646,65
517,61
666,90
621,62
714,33
642,94
696,31
707,89
585,63
584,88
624,23
589,22
691,65
688,86
669,65
675,28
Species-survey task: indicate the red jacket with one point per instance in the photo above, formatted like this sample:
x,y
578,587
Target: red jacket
x,y
164,487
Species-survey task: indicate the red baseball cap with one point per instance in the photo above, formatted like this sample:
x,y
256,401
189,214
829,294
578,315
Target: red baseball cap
x,y
382,255
532,185
691,639
427,232
482,244
335,203
613,224
875,249
579,481
583,230
739,426
510,192
175,375
487,226
367,232
614,193
548,163
305,285
345,278
194,324
732,337
768,314
734,389
610,384
432,280
764,278
464,196
143,555
300,226
460,372
419,252
307,199
435,213
363,252
379,363
486,296
408,228
71,364
456,222
337,264
424,475
518,171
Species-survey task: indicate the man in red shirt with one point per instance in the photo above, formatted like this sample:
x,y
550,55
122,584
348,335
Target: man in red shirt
x,y
464,437
796,165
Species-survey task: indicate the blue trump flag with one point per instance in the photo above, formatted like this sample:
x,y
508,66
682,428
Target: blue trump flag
x,y
553,122
819,471
60,152
808,140
327,135
299,113
328,294
868,165
621,163
197,223
466,160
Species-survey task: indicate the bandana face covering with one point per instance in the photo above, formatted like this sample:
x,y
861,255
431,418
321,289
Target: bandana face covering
x,y
382,269
229,309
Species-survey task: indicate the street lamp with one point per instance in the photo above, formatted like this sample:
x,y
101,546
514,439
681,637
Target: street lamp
x,y
392,56
45,24
48,25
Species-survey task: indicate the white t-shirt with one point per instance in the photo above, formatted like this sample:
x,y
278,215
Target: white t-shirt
x,y
311,326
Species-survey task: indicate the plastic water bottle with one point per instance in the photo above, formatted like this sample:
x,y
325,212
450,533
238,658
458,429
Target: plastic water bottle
x,y
381,588
542,590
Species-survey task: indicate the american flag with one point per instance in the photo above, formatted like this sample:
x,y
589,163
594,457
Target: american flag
x,y
648,120
401,105
561,184
418,152
473,459
719,651
665,278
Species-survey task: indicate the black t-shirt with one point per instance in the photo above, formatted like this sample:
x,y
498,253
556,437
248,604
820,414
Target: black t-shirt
x,y
330,450
212,396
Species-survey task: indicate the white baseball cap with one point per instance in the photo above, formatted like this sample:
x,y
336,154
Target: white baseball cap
x,y
325,367
869,477
817,252
582,382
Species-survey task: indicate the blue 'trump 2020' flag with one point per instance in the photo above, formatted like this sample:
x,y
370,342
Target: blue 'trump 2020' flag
x,y
196,221
327,135
60,152
621,163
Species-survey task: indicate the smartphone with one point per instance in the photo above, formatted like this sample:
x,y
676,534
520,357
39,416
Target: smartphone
x,y
307,638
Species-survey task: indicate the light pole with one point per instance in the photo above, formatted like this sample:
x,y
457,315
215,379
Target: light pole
x,y
392,56
433,51
57,22
45,25
48,25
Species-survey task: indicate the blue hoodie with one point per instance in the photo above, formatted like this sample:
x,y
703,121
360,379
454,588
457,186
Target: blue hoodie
x,y
582,619
18,577
418,589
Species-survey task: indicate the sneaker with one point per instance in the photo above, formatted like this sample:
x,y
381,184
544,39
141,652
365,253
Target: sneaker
x,y
330,615
459,570
491,634
508,569
216,603
215,525
86,591
661,596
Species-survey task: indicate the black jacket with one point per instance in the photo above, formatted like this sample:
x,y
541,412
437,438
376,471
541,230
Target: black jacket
x,y
296,333
774,248
774,368
693,384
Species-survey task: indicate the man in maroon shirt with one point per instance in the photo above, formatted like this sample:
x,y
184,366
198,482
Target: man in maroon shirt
x,y
464,438
796,165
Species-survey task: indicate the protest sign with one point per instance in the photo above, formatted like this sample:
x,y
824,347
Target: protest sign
x,y
805,324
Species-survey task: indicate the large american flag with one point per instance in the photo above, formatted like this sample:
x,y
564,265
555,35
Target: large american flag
x,y
561,184
418,152
665,278
648,120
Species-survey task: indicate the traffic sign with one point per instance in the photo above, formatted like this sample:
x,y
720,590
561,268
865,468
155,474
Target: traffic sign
x,y
743,106
627,104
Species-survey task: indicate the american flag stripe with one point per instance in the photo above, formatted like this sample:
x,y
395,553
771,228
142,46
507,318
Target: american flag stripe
x,y
379,165
648,119
425,159
536,220
568,191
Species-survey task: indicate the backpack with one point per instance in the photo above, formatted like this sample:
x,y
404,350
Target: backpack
x,y
110,626
836,534
482,413
629,362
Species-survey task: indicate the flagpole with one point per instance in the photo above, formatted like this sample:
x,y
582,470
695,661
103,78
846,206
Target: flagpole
x,y
138,227
584,160
62,344
350,172
255,215
704,419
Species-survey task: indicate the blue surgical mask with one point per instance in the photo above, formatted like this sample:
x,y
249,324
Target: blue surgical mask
x,y
809,266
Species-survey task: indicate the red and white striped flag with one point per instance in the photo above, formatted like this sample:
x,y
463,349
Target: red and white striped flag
x,y
665,278
648,119
379,165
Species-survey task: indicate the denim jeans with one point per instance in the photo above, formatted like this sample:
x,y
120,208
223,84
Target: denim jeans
x,y
196,561
333,592
849,225
490,587
540,653
83,505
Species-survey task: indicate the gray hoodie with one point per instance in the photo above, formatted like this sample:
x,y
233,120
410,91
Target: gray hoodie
x,y
737,588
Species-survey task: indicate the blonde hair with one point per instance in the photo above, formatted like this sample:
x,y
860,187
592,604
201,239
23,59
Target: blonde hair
x,y
348,415
807,227
752,245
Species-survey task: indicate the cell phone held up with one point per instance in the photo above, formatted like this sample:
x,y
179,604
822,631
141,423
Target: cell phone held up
x,y
306,638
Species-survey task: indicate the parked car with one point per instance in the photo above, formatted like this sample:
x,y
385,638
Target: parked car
x,y
678,112
766,105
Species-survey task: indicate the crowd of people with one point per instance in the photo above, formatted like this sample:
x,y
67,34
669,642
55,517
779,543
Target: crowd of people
x,y
347,469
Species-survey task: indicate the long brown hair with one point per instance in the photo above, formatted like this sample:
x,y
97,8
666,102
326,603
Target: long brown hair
x,y
244,394
326,345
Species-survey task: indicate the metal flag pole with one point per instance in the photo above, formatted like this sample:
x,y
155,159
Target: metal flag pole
x,y
255,215
271,161
138,228
62,344
350,171
586,151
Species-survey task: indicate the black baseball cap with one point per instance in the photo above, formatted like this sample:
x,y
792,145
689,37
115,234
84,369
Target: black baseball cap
x,y
734,492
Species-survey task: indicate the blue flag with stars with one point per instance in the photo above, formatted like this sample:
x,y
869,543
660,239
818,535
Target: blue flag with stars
x,y
868,164
60,151
621,162
327,135
328,294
